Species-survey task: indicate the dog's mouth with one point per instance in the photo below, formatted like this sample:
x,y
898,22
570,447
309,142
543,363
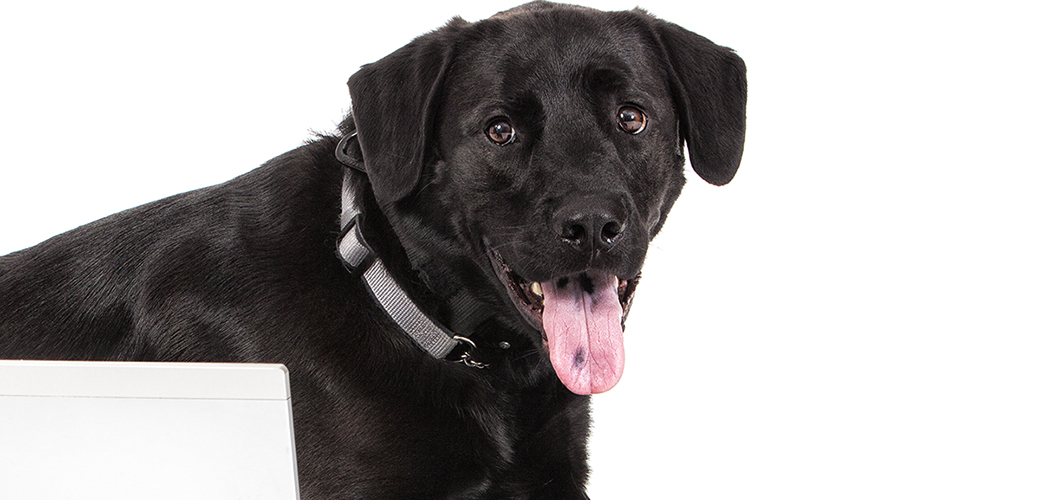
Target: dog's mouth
x,y
581,317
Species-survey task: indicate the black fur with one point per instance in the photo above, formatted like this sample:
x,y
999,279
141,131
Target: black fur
x,y
247,270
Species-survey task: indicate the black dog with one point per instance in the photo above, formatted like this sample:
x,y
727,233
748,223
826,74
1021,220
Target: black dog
x,y
447,279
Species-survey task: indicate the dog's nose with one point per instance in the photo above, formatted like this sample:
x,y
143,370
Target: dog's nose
x,y
591,222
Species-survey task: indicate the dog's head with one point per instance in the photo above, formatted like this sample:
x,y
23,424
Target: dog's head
x,y
545,145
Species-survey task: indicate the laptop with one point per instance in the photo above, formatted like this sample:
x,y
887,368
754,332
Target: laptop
x,y
115,430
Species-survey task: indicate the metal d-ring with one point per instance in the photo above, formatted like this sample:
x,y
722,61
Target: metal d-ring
x,y
466,358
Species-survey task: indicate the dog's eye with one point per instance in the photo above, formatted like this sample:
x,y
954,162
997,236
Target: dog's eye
x,y
501,132
631,119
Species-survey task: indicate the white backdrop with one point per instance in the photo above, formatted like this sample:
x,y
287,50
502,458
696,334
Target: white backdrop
x,y
855,316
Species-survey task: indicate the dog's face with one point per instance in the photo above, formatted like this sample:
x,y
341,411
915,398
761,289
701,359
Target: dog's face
x,y
547,149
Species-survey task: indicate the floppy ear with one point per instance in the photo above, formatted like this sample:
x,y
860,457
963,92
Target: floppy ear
x,y
394,104
709,84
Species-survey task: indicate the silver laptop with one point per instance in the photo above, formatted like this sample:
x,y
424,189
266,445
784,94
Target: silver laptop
x,y
110,430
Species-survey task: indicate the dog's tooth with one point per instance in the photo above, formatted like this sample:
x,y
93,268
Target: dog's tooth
x,y
536,288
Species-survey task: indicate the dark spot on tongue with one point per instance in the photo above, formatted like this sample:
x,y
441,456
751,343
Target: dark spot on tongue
x,y
562,282
585,282
579,358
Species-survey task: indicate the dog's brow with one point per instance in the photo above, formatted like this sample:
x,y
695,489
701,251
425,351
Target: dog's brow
x,y
526,104
600,78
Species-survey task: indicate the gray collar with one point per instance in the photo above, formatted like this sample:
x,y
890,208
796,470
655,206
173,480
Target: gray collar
x,y
357,256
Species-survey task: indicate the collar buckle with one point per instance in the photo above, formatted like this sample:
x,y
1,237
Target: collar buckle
x,y
348,155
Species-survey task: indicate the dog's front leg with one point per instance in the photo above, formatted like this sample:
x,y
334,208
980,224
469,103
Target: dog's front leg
x,y
550,461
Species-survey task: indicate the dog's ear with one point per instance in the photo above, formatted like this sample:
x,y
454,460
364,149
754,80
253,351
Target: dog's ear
x,y
394,104
709,84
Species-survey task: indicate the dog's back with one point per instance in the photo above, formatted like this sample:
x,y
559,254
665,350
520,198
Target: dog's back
x,y
168,280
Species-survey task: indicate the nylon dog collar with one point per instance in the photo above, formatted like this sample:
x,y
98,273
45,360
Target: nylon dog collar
x,y
359,259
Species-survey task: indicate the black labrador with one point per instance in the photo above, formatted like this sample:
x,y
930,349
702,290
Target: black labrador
x,y
447,278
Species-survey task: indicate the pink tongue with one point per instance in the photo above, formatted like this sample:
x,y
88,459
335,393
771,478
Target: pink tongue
x,y
584,332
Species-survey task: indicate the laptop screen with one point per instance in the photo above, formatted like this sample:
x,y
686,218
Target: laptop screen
x,y
117,430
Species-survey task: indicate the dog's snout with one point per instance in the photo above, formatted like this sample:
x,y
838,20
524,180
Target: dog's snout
x,y
592,222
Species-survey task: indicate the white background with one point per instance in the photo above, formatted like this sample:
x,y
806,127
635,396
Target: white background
x,y
855,316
